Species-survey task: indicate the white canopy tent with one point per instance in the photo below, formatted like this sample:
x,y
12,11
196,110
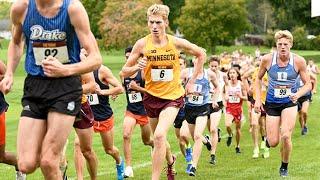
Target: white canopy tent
x,y
315,8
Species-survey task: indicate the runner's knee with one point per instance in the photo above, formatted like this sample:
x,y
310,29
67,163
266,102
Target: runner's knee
x,y
126,136
27,166
273,142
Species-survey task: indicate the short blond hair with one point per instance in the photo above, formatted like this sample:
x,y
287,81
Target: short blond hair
x,y
159,9
283,34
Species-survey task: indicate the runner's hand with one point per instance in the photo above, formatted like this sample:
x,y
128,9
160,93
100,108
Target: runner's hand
x,y
6,84
257,106
142,63
133,85
190,87
294,97
214,104
52,67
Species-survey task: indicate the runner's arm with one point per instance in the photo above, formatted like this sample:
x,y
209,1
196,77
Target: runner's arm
x,y
88,83
79,19
132,65
108,78
301,63
15,48
194,50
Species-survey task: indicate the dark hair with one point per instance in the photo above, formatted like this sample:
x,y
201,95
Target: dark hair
x,y
128,49
236,66
214,58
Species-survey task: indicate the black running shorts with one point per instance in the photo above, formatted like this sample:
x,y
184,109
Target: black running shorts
x,y
275,109
192,112
44,94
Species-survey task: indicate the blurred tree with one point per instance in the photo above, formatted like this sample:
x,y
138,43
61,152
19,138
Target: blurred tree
x,y
290,14
210,22
124,22
260,14
175,11
94,9
5,10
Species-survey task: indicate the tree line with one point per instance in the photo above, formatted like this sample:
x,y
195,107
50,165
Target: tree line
x,y
117,23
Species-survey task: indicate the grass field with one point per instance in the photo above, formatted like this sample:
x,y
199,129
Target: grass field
x,y
305,160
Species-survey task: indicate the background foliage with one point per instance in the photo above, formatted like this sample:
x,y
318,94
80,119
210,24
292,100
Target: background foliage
x,y
123,22
209,23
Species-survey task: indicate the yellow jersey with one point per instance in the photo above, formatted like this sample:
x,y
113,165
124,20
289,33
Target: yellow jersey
x,y
162,72
263,85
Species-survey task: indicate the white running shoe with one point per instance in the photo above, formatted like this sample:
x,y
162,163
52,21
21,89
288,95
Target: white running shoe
x,y
128,172
20,176
263,145
255,153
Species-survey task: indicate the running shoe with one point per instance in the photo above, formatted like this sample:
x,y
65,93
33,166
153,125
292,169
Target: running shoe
x,y
171,172
128,172
238,150
120,170
219,134
283,172
255,153
229,141
207,143
63,170
192,171
266,153
189,166
213,159
20,176
304,130
263,145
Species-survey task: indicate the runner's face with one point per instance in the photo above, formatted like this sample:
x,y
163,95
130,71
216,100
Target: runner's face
x,y
283,46
127,55
233,74
182,64
157,25
213,66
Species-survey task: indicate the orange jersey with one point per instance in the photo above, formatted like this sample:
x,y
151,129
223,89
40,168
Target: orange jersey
x,y
162,72
263,85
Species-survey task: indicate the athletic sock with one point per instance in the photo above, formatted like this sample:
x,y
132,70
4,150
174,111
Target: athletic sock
x,y
267,144
284,165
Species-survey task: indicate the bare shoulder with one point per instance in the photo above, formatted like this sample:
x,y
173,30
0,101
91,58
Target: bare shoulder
x,y
18,10
180,42
74,6
140,44
104,70
266,60
299,59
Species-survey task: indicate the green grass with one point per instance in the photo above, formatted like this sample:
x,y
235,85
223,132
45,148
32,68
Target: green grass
x,y
304,164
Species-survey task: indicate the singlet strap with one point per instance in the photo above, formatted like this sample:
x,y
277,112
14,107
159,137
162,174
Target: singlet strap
x,y
274,59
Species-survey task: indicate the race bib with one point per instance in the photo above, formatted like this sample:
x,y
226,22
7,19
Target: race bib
x,y
282,92
135,97
195,99
162,73
42,50
234,99
93,99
